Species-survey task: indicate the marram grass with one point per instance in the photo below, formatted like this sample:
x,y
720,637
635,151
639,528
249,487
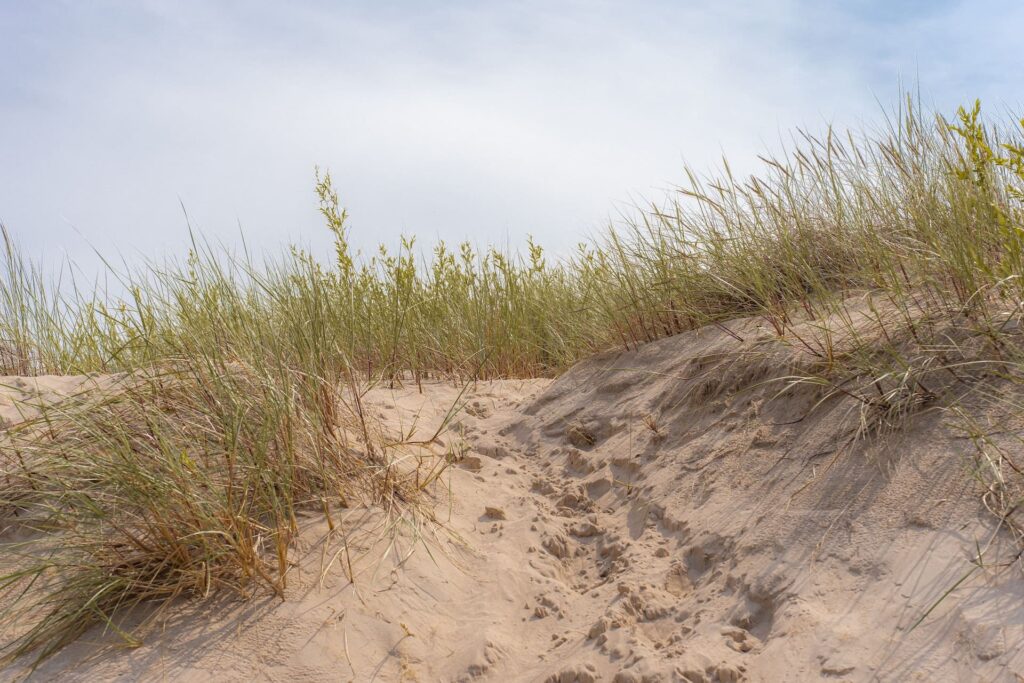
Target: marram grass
x,y
238,399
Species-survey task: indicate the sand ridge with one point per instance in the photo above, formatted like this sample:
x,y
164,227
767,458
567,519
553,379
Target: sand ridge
x,y
654,515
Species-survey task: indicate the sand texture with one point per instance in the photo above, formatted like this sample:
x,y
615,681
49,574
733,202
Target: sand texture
x,y
653,515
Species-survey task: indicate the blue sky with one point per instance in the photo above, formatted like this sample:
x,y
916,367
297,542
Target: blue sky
x,y
478,120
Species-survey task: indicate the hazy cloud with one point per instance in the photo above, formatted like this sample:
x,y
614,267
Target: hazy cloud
x,y
454,120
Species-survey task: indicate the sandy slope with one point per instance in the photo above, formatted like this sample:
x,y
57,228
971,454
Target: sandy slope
x,y
652,515
21,397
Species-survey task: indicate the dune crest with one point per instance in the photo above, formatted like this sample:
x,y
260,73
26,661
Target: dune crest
x,y
655,515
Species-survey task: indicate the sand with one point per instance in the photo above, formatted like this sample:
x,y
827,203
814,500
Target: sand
x,y
654,515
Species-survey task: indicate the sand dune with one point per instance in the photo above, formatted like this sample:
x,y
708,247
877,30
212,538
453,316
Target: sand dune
x,y
657,515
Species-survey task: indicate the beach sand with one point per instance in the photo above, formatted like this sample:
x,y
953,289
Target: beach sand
x,y
652,515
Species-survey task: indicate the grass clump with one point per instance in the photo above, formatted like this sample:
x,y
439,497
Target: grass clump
x,y
188,471
188,480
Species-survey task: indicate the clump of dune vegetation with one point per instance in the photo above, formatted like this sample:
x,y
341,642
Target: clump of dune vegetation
x,y
183,480
891,260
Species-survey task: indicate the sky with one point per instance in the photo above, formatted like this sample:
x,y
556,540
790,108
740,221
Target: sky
x,y
122,122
